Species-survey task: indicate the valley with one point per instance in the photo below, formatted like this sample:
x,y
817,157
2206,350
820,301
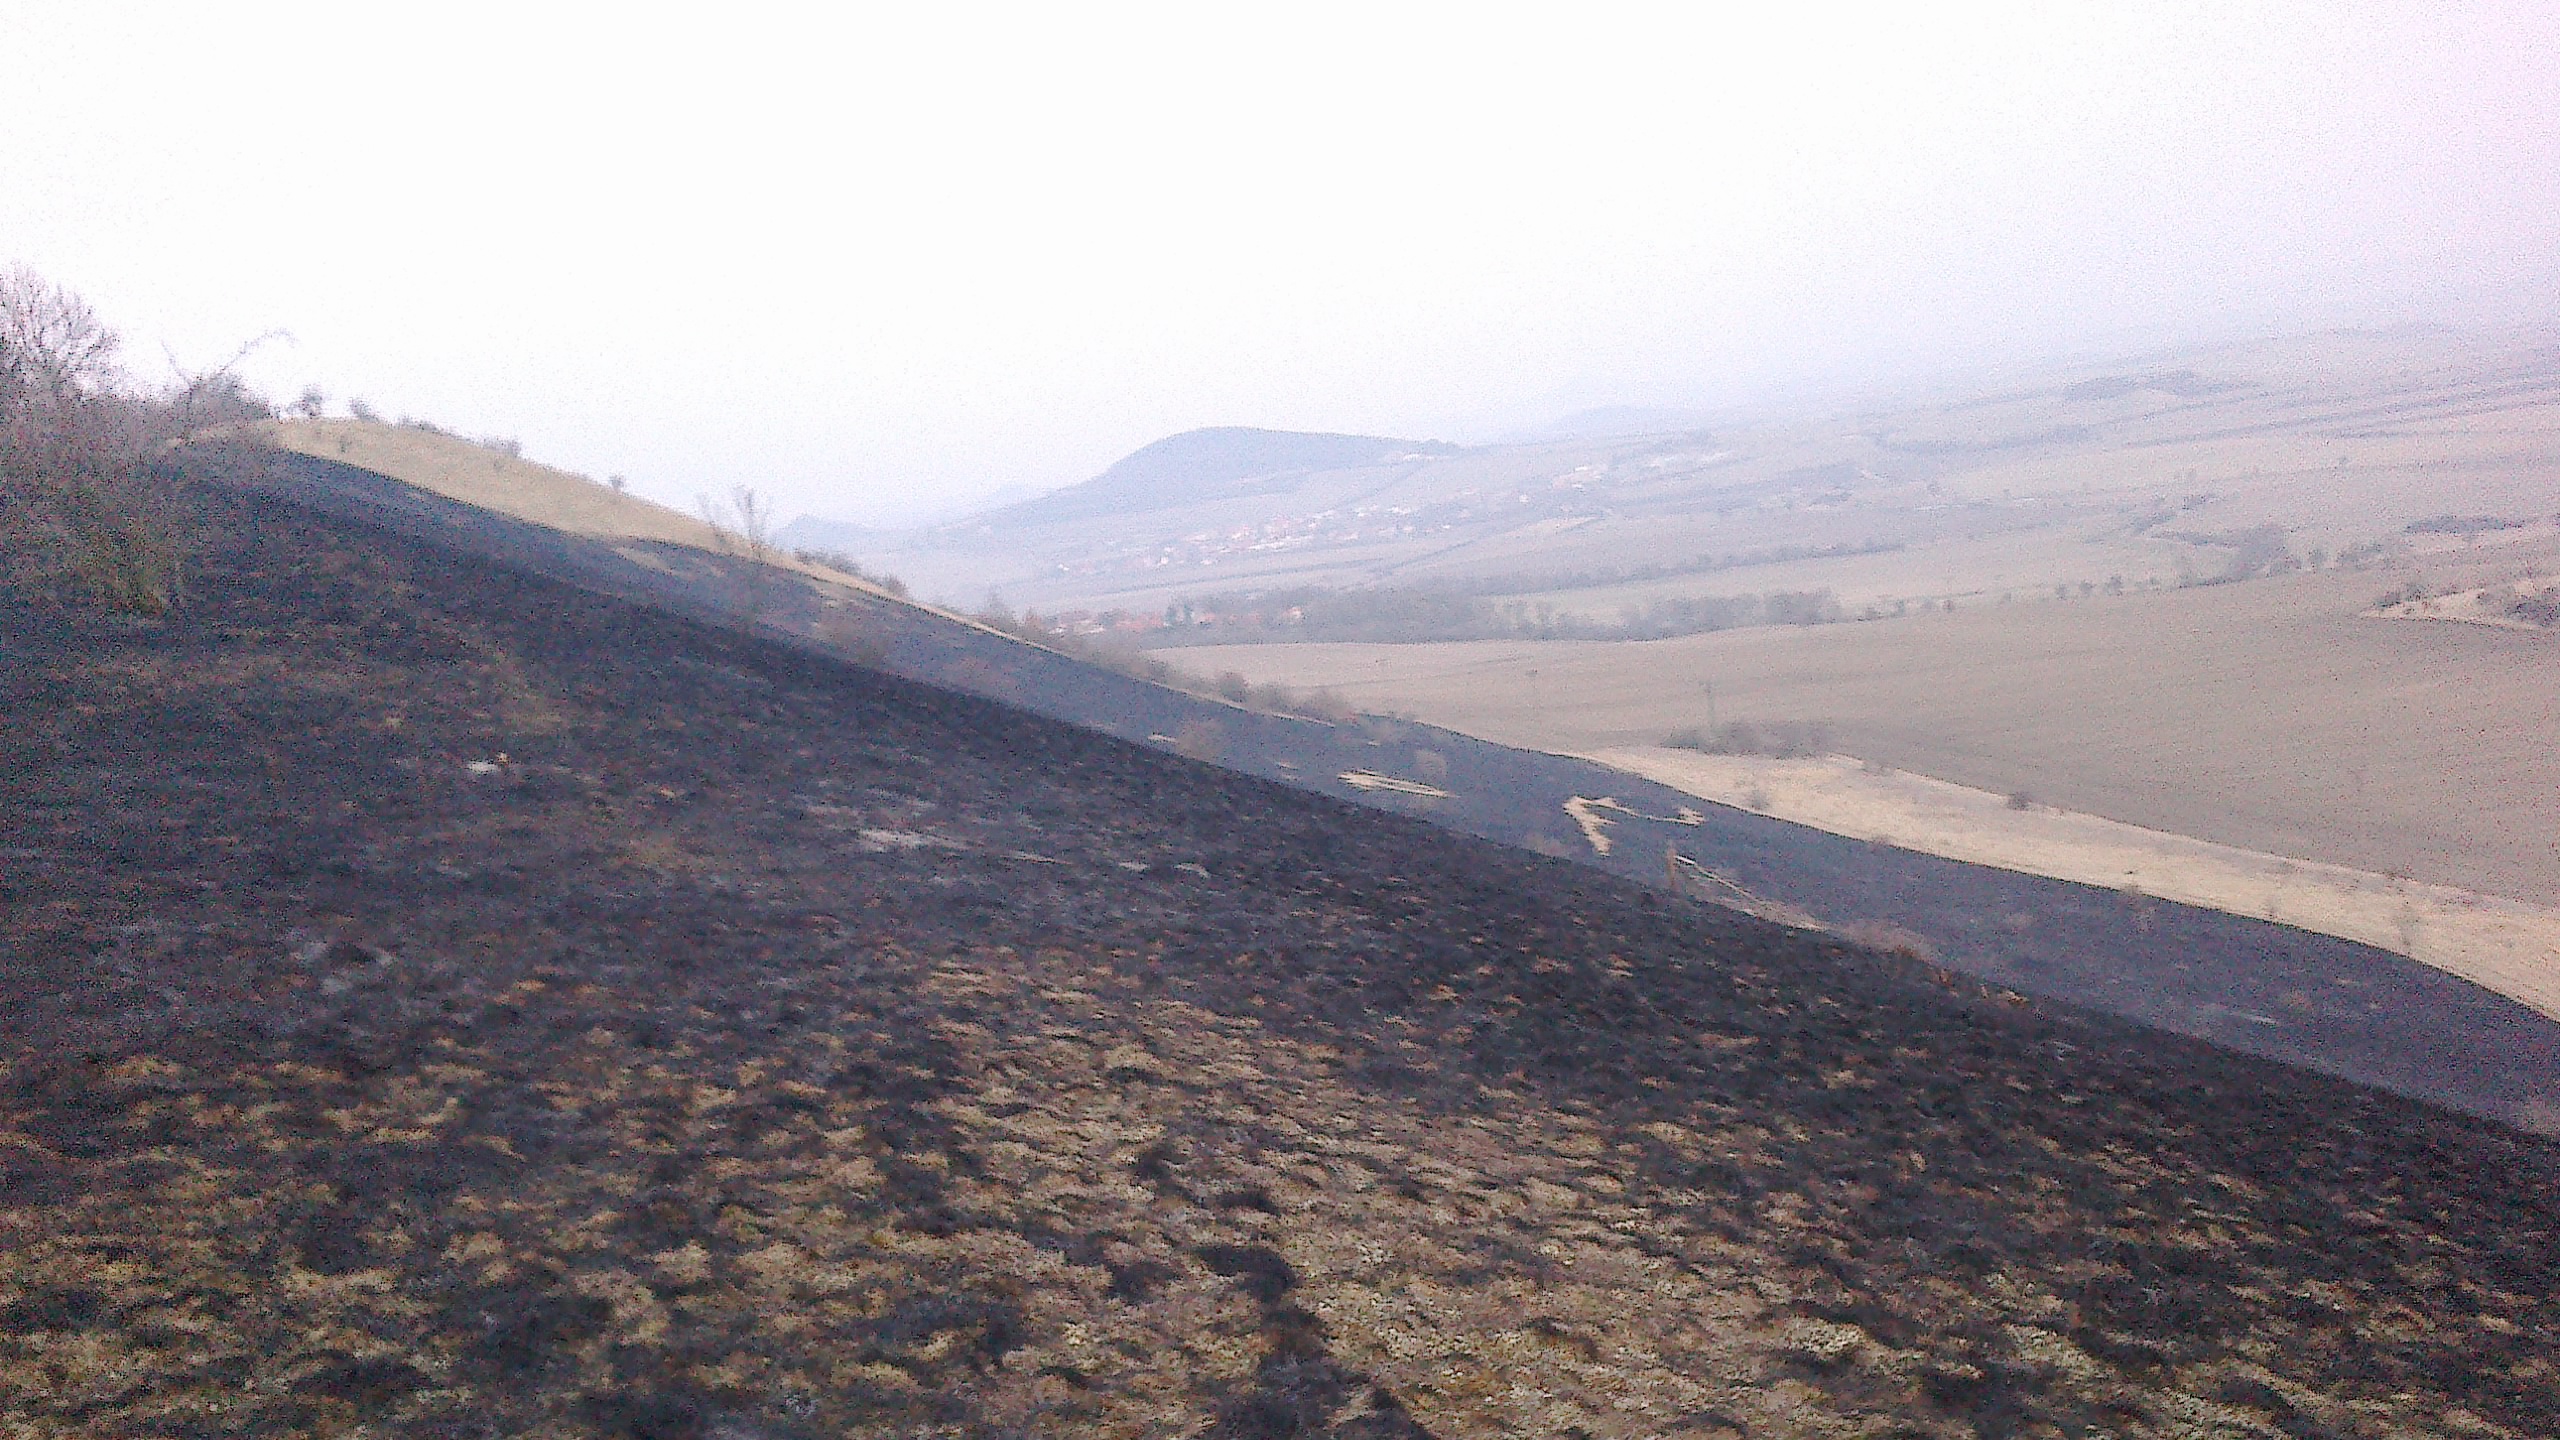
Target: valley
x,y
2287,598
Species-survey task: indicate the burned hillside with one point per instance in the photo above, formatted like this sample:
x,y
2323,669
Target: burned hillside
x,y
439,1001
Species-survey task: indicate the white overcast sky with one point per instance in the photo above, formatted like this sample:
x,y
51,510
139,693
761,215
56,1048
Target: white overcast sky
x,y
877,259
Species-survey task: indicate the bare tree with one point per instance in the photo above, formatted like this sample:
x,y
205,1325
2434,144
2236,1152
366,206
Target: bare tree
x,y
92,472
743,526
755,523
77,487
202,399
53,347
743,520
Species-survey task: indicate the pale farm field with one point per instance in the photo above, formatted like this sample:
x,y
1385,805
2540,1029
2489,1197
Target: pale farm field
x,y
2227,732
2327,491
2505,945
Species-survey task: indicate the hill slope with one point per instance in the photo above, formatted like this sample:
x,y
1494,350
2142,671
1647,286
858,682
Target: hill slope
x,y
442,1000
1204,465
2346,1008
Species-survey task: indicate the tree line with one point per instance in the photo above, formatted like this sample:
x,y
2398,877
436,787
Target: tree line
x,y
1413,615
1534,582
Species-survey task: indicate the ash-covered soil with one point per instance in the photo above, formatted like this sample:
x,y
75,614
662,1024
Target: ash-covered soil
x,y
436,1001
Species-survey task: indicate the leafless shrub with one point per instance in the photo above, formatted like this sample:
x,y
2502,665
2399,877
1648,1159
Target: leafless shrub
x,y
1385,729
744,519
1201,739
1323,705
1119,655
91,482
54,346
997,615
1783,739
1127,660
1327,706
854,632
743,525
1891,939
842,563
2021,800
123,535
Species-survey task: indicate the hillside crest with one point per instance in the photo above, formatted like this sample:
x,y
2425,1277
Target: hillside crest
x,y
1187,468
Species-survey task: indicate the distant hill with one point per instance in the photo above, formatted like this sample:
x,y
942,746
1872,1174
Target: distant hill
x,y
1197,464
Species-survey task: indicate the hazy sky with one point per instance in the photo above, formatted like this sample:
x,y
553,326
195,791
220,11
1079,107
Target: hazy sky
x,y
886,258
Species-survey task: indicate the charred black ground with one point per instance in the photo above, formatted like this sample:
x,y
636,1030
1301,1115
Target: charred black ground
x,y
2241,982
443,1001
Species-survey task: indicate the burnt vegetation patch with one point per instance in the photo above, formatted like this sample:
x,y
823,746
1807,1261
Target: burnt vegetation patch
x,y
445,1001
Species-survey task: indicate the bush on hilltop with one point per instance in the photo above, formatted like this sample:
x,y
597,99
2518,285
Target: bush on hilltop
x,y
91,479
